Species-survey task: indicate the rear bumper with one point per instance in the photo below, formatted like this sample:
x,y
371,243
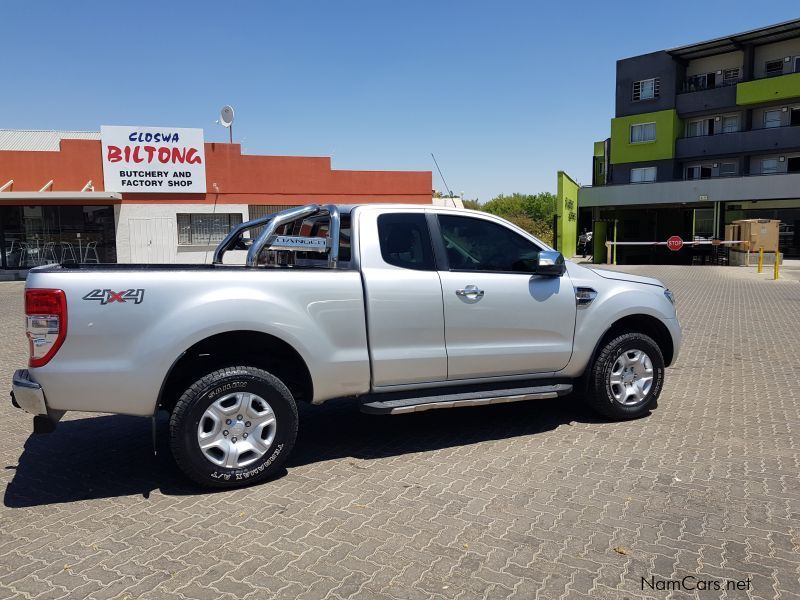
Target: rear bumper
x,y
27,394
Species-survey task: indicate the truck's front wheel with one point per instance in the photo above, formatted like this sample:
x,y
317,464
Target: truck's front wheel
x,y
233,427
627,376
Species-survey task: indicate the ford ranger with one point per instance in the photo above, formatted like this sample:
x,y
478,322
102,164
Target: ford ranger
x,y
398,308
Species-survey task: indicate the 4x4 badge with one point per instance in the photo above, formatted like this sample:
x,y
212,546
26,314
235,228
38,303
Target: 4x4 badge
x,y
109,296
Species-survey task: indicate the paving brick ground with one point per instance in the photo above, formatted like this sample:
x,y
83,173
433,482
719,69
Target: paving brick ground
x,y
533,500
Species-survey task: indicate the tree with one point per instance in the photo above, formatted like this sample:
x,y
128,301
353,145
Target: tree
x,y
539,207
532,212
473,205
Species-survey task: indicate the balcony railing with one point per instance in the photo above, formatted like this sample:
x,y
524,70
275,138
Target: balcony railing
x,y
712,81
684,179
698,83
752,141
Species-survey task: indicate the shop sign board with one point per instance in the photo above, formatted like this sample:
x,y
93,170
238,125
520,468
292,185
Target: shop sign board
x,y
154,160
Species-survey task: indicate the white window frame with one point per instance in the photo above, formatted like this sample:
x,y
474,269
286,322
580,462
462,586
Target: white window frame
x,y
731,80
653,85
770,172
703,130
774,60
700,171
643,127
207,237
734,117
792,111
779,121
643,174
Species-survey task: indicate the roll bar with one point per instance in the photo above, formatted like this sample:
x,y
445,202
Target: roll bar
x,y
271,223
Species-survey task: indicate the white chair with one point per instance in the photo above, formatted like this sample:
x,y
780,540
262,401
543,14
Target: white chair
x,y
49,253
91,247
25,252
9,251
68,252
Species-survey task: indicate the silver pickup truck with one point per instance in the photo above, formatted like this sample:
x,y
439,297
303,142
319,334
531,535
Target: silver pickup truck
x,y
399,308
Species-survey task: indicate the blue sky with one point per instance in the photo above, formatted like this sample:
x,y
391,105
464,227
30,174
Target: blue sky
x,y
504,93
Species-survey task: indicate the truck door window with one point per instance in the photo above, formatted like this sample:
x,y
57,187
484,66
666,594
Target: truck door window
x,y
405,241
479,245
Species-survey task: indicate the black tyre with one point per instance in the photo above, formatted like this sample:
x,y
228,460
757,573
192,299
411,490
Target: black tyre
x,y
626,377
233,427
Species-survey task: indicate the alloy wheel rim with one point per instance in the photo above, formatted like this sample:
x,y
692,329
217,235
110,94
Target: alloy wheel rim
x,y
631,377
236,430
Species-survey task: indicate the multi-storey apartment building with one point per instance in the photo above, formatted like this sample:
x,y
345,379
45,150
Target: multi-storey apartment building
x,y
703,135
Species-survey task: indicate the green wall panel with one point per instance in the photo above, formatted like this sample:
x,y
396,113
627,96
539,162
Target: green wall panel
x,y
600,148
668,129
783,87
567,211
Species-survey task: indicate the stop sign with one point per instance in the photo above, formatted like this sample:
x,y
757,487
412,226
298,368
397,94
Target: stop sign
x,y
675,243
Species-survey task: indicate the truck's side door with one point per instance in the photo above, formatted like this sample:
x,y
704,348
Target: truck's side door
x,y
405,323
499,318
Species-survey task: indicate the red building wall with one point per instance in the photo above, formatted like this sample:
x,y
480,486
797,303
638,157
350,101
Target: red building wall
x,y
240,179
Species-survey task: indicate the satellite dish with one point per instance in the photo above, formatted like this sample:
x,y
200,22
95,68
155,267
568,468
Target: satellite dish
x,y
226,116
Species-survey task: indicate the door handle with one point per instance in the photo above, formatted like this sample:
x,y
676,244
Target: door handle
x,y
471,292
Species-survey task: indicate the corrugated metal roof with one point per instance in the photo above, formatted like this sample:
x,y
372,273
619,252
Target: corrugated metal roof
x,y
39,140
730,43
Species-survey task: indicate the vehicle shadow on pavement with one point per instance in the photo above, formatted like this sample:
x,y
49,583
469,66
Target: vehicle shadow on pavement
x,y
112,456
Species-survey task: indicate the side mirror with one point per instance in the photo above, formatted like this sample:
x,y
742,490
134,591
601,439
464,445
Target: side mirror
x,y
550,264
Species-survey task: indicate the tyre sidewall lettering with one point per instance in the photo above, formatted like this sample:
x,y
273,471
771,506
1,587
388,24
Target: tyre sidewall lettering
x,y
273,392
601,397
658,372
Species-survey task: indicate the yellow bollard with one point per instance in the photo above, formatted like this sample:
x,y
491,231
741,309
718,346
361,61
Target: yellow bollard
x,y
761,259
777,264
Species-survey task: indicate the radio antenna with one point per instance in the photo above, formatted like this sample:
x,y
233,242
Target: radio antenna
x,y
447,187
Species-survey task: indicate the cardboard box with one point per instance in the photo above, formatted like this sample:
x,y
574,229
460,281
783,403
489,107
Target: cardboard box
x,y
759,232
731,234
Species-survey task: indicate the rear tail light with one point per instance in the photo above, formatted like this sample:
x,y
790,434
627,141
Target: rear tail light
x,y
46,324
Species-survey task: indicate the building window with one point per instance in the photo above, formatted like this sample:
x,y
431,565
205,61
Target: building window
x,y
794,120
643,175
698,172
204,229
793,164
727,169
773,67
643,132
730,124
769,166
772,118
730,76
695,128
696,83
646,89
700,127
39,235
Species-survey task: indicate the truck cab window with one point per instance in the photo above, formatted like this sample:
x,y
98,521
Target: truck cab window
x,y
405,241
480,245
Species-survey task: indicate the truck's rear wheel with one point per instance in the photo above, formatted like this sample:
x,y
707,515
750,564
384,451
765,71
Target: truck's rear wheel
x,y
627,376
233,427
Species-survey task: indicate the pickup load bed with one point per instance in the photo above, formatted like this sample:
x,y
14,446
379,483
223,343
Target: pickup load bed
x,y
400,308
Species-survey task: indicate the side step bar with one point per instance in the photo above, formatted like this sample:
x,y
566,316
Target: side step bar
x,y
398,406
